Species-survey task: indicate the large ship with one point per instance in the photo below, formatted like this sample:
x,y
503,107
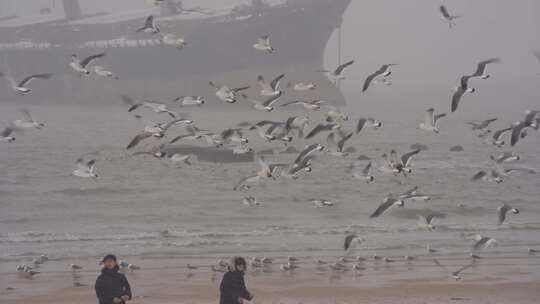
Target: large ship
x,y
218,48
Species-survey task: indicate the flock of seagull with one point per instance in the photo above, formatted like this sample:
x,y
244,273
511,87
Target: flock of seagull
x,y
285,132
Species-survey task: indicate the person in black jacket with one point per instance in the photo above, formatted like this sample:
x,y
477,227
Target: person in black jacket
x,y
111,286
233,288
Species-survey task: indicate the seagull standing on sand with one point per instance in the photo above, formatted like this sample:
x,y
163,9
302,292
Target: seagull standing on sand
x,y
271,89
445,16
503,210
150,26
263,44
431,120
383,72
28,123
80,66
20,87
85,169
224,93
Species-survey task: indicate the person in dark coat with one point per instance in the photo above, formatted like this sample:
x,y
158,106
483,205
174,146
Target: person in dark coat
x,y
112,287
233,288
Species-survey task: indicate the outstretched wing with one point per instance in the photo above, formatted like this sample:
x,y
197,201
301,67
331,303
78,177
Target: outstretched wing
x,y
348,240
456,98
481,68
137,139
406,158
479,176
275,83
86,61
342,67
382,208
30,78
444,11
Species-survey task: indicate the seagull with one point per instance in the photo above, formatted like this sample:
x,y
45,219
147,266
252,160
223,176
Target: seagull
x,y
518,130
190,100
483,124
267,105
303,161
496,138
445,16
506,157
494,177
533,251
250,201
288,267
460,91
28,123
322,128
173,40
263,44
157,131
313,105
338,72
103,72
85,169
431,120
190,267
481,68
150,26
80,66
152,105
298,123
431,250
271,89
76,267
226,94
336,148
425,221
349,239
193,133
334,115
388,202
403,164
362,174
266,171
303,87
6,135
322,203
133,267
384,71
503,210
233,135
454,274
481,241
20,87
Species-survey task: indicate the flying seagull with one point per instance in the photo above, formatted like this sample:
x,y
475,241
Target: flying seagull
x,y
266,171
85,169
263,44
271,89
496,138
363,173
28,123
482,124
482,67
445,16
349,239
336,148
431,120
459,91
387,203
322,128
503,210
303,87
103,72
6,135
152,105
224,93
267,105
454,274
150,26
481,242
157,131
190,100
80,66
338,72
20,87
384,71
403,164
313,105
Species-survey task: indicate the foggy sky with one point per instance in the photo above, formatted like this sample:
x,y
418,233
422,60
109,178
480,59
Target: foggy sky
x,y
431,57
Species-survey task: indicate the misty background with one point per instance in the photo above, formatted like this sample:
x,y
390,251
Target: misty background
x,y
431,57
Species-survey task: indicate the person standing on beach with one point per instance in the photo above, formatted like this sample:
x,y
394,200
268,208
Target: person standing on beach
x,y
233,288
111,286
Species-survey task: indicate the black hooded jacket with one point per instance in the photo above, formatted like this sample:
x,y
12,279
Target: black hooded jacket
x,y
111,284
233,287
